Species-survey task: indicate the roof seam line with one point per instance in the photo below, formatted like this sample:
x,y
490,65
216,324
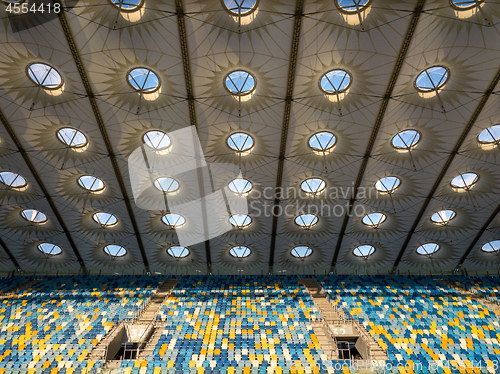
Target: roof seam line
x,y
292,67
104,134
181,25
446,166
40,183
378,122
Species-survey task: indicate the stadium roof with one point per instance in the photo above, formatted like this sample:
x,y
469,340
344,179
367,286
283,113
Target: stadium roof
x,y
339,99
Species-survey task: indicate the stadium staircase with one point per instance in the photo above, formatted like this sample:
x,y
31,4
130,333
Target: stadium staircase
x,y
331,317
146,316
476,297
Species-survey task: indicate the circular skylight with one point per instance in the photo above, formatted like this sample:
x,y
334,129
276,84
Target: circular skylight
x,y
374,219
156,139
240,142
363,250
49,249
443,216
115,250
313,186
143,80
240,82
173,220
34,216
105,219
465,4
301,251
431,78
490,135
306,220
91,183
465,181
240,251
72,137
240,186
45,75
388,184
428,248
167,184
335,81
322,141
406,139
178,251
12,179
240,220
127,5
352,6
240,7
493,246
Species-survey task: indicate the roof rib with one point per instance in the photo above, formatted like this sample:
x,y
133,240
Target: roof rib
x,y
478,236
45,192
181,24
378,122
292,67
95,109
9,253
463,136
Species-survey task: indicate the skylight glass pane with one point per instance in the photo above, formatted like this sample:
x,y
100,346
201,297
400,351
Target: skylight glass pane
x,y
240,142
91,183
240,251
306,220
115,250
105,219
34,216
374,219
240,186
443,216
465,181
364,250
313,185
167,184
240,7
12,179
493,246
335,81
173,220
178,251
240,220
490,135
156,139
127,5
432,78
72,137
143,80
465,4
428,248
49,249
44,75
387,184
352,5
240,82
406,139
301,251
322,141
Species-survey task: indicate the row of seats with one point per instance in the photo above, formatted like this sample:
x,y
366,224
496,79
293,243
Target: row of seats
x,y
487,287
56,323
8,284
238,322
417,319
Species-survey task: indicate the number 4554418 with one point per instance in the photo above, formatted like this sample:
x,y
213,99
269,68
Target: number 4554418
x,y
23,8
